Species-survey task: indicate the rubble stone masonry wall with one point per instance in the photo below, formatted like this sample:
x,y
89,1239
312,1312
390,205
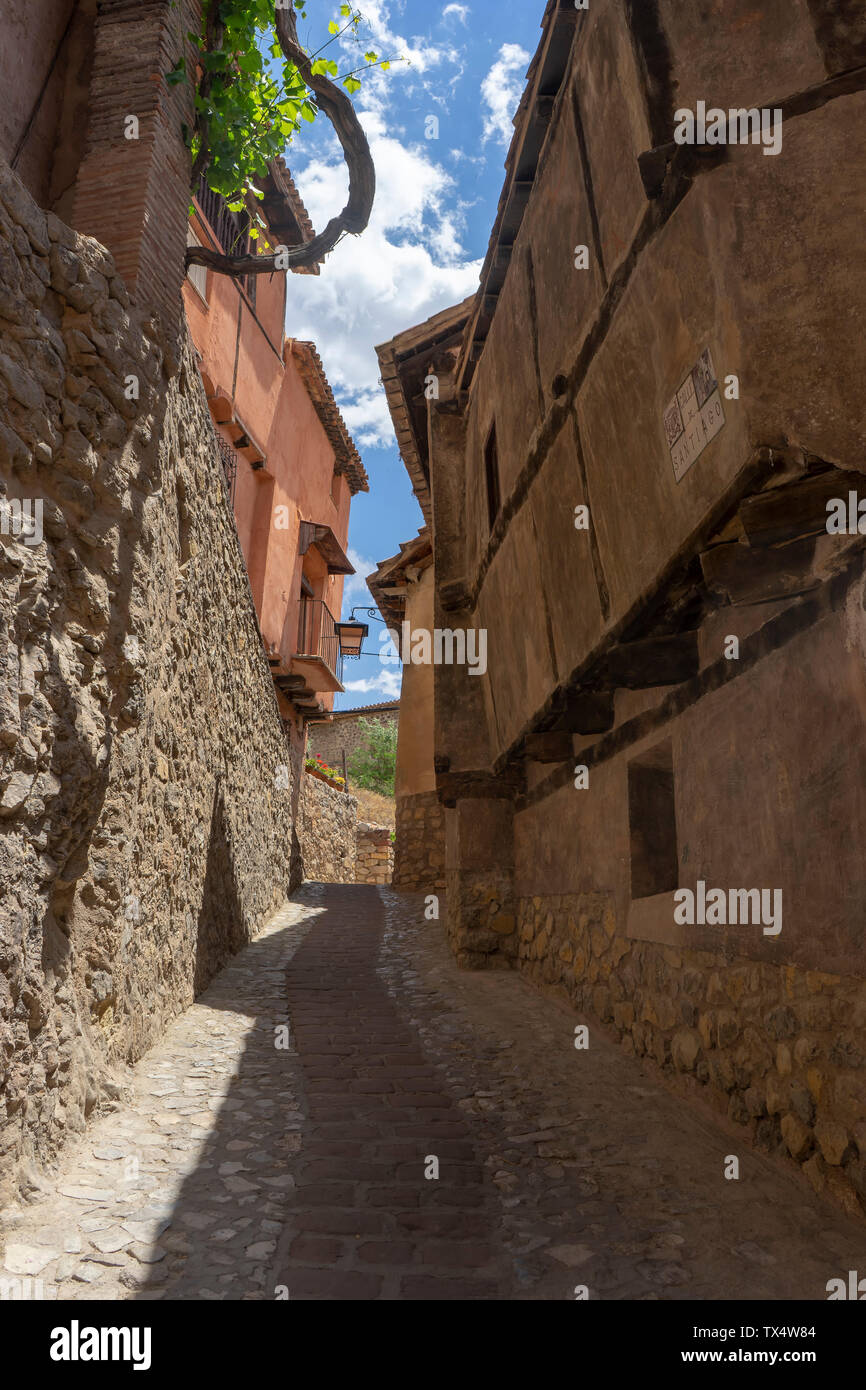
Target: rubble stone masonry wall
x,y
326,830
779,1051
375,855
419,859
144,834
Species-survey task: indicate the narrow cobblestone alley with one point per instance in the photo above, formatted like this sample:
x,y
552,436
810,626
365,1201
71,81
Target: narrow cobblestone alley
x,y
236,1168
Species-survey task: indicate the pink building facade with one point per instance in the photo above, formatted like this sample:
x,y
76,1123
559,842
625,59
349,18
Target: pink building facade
x,y
291,466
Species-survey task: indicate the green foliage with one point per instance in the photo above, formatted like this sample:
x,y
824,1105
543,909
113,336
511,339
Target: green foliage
x,y
250,101
374,764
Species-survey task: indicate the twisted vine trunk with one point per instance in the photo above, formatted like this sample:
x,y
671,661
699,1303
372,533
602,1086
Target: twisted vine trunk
x,y
362,176
213,38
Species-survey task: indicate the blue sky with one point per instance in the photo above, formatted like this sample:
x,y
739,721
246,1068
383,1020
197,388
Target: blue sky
x,y
435,205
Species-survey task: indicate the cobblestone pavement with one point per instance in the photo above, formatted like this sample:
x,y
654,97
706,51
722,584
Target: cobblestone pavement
x,y
238,1167
181,1191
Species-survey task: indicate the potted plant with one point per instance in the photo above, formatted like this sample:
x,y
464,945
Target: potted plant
x,y
317,767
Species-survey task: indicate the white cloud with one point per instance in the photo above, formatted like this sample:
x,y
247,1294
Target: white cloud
x,y
418,53
461,157
369,420
355,591
385,684
408,264
501,91
459,12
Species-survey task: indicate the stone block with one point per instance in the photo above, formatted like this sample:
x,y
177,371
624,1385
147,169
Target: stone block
x,y
832,1140
777,1093
685,1049
797,1136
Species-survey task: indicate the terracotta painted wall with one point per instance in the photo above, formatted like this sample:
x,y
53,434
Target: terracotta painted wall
x,y
241,343
247,363
304,485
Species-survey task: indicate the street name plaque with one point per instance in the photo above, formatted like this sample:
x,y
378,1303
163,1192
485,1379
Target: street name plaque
x,y
694,416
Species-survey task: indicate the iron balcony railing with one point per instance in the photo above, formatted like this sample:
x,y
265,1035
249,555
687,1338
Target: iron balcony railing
x,y
229,460
232,229
317,633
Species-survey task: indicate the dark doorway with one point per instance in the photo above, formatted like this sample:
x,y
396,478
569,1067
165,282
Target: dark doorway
x,y
653,823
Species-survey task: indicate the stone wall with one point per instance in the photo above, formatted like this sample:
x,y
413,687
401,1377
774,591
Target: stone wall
x,y
330,741
687,634
145,830
779,1051
419,853
375,854
326,831
481,920
335,847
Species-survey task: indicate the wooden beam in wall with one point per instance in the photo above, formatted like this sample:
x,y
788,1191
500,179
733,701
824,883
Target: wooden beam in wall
x,y
653,661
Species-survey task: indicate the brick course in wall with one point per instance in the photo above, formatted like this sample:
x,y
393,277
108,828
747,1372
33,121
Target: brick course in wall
x,y
133,194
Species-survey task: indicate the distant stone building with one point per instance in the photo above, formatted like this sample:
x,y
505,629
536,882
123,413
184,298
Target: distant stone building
x,y
655,795
343,732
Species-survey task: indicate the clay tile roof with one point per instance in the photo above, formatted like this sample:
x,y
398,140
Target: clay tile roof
x,y
390,577
403,363
348,460
296,200
284,210
366,709
339,715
